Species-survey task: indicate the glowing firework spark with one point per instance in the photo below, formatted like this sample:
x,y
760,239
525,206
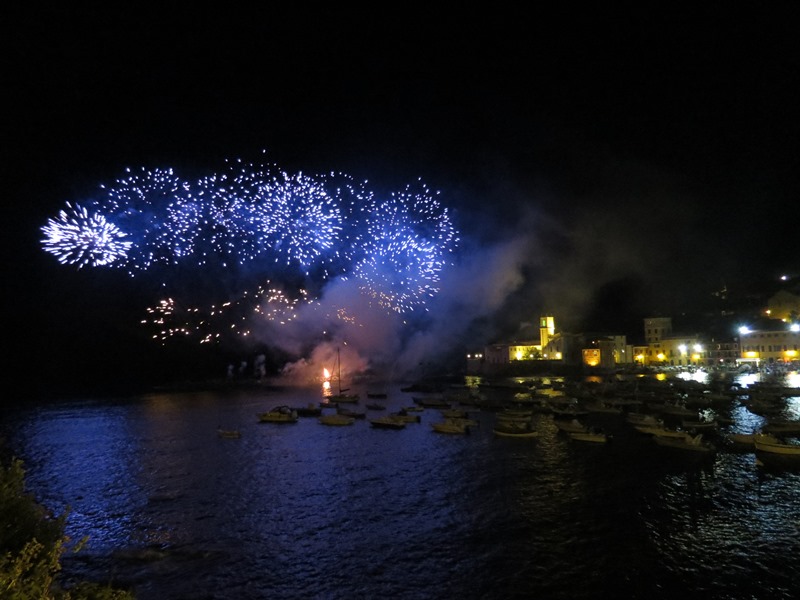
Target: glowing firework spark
x,y
257,222
82,238
408,239
145,205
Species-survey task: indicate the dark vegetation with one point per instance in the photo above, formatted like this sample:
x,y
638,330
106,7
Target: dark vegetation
x,y
32,544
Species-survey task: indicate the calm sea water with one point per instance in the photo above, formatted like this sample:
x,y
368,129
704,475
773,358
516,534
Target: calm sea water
x,y
312,511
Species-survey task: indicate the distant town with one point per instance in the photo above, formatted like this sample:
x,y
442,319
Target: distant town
x,y
758,335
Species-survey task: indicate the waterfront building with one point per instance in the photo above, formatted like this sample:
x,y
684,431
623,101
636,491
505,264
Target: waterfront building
x,y
722,353
665,347
774,345
569,349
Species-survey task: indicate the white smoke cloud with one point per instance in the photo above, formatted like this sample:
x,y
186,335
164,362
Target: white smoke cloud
x,y
389,345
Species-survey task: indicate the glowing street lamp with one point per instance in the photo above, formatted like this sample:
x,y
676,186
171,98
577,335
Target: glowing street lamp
x,y
743,330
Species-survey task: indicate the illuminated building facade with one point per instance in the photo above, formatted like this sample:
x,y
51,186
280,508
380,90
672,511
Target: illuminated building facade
x,y
565,348
664,347
762,346
722,353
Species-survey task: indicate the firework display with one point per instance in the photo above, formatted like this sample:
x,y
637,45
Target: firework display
x,y
282,236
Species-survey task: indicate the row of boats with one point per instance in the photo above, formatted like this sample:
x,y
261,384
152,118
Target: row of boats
x,y
644,407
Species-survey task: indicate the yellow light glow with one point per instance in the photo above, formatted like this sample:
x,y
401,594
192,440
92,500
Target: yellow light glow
x,y
558,355
519,355
751,354
660,356
591,357
695,357
791,353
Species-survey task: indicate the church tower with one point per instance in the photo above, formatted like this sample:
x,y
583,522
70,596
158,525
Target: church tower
x,y
547,329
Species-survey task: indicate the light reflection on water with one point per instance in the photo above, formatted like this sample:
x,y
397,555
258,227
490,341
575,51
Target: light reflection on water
x,y
304,510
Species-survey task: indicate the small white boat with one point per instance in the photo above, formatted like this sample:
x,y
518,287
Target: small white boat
x,y
660,431
770,444
279,414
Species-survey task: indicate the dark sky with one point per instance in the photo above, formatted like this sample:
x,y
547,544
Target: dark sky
x,y
647,158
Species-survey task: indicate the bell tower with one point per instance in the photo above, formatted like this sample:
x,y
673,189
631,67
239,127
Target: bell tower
x,y
547,329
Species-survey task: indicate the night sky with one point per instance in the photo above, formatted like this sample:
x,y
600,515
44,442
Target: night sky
x,y
600,166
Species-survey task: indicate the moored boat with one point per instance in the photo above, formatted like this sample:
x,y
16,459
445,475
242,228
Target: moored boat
x,y
742,440
660,431
517,430
388,422
353,414
310,410
336,419
454,413
342,397
636,418
456,426
694,443
404,416
699,425
771,444
596,436
229,433
279,414
573,426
